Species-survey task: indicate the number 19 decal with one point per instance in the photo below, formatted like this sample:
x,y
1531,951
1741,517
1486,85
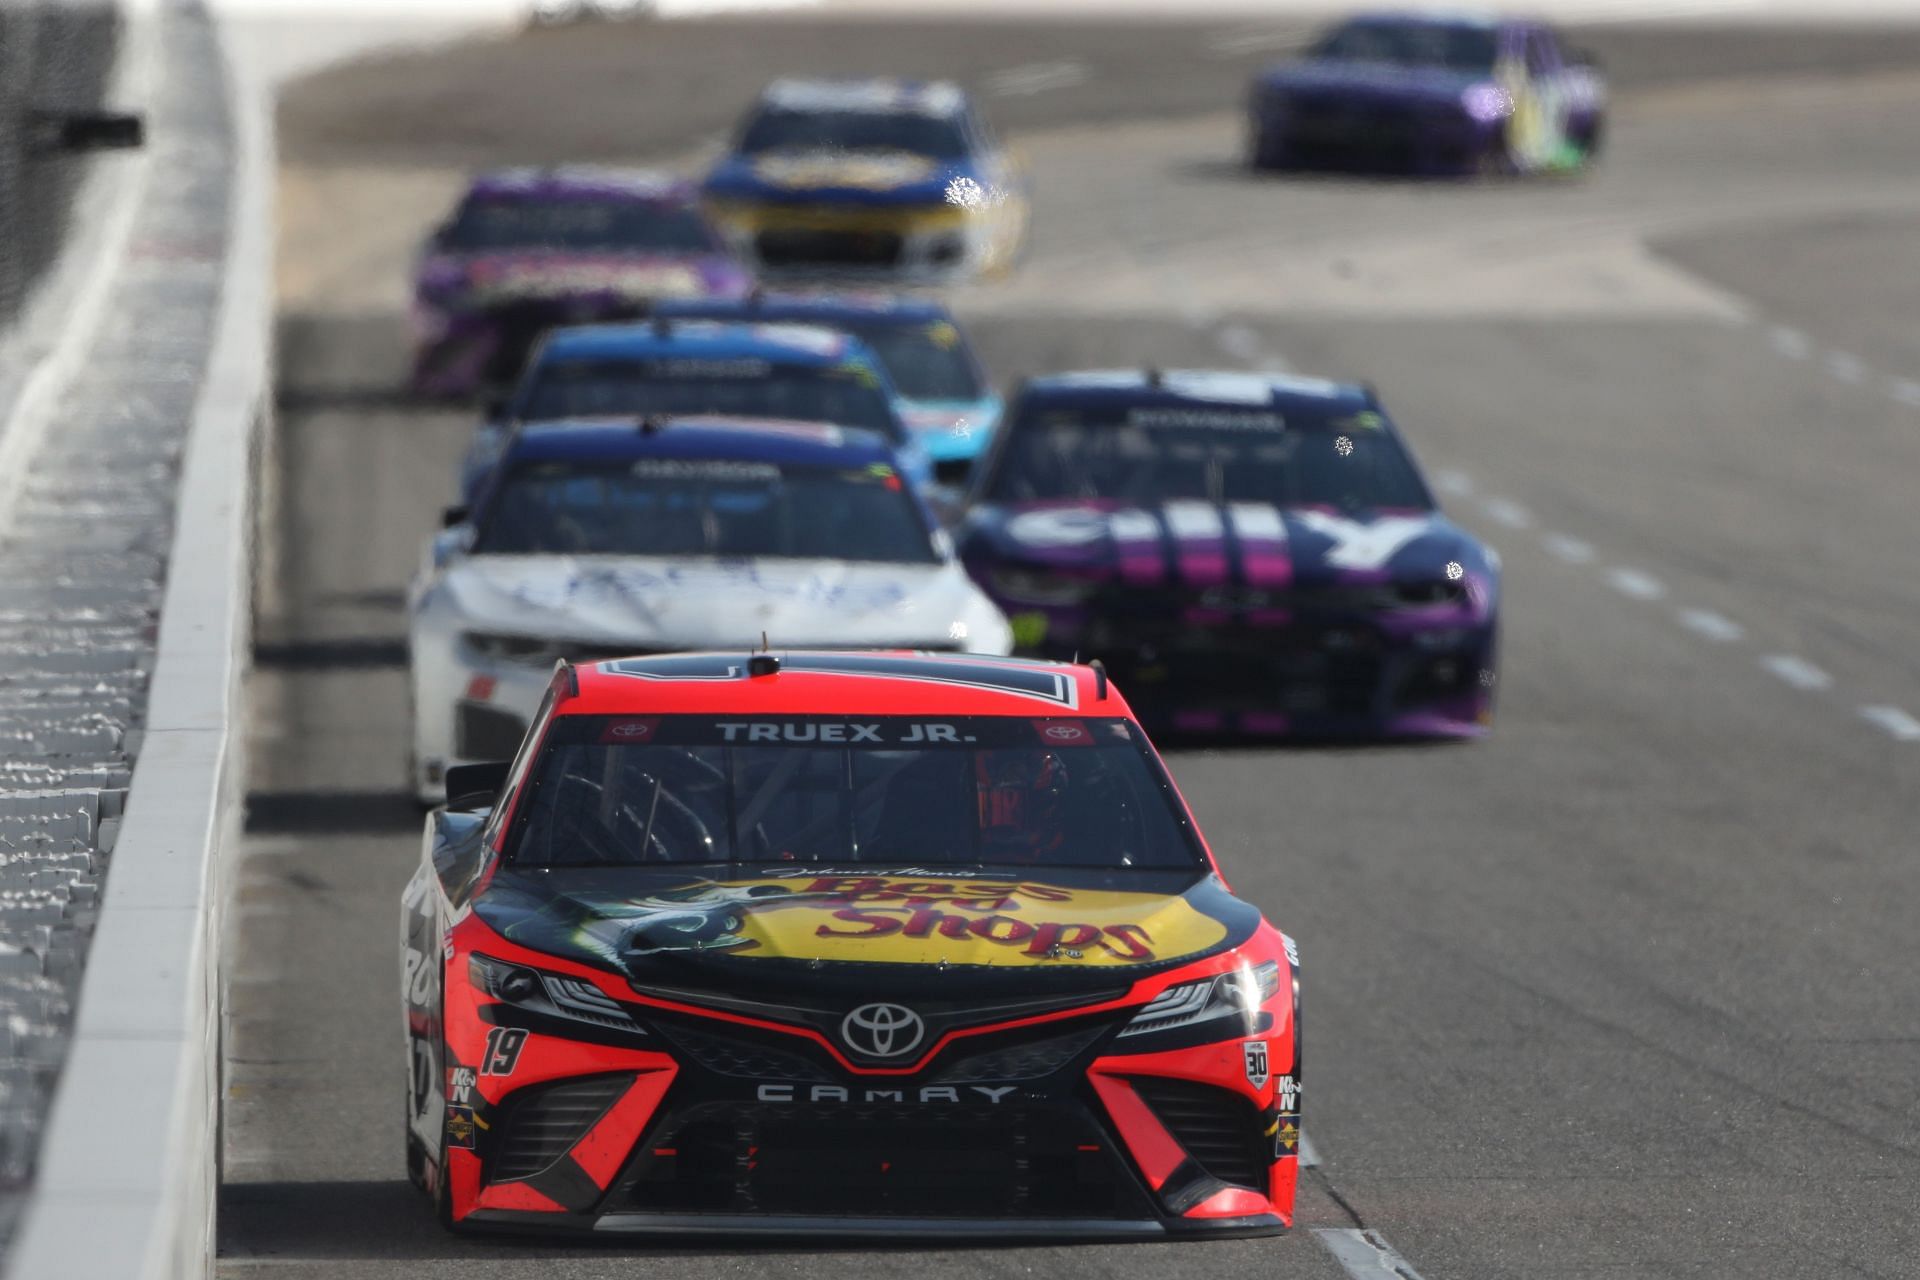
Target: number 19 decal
x,y
503,1051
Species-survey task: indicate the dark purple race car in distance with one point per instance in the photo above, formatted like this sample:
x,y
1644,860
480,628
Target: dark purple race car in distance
x,y
1244,552
527,250
1430,94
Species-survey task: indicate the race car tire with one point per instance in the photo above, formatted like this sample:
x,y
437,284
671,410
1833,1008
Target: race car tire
x,y
1263,152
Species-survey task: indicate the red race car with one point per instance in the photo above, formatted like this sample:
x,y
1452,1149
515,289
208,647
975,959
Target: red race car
x,y
840,944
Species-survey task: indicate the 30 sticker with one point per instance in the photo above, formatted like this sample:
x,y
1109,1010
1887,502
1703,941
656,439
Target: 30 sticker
x,y
503,1051
1256,1053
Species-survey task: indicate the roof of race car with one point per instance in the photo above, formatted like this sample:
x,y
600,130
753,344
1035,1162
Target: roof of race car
x,y
567,182
1452,19
708,339
831,683
1213,388
705,437
879,94
815,308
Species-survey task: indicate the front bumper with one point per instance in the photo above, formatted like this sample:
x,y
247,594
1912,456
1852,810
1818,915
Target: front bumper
x,y
464,351
931,244
1282,674
1399,137
1035,1133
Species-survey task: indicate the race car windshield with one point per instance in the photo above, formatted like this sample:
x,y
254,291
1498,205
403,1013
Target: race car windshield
x,y
618,226
846,395
781,130
690,507
1413,45
925,361
1150,455
934,792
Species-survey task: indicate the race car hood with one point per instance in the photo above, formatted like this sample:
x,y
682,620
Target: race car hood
x,y
884,928
661,603
1200,545
842,177
1373,81
486,279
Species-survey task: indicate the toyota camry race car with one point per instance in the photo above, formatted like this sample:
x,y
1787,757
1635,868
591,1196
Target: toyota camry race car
x,y
528,249
617,537
793,372
893,944
1246,552
940,390
1430,93
889,177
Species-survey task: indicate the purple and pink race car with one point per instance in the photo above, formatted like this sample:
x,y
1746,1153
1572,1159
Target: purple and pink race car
x,y
527,250
1244,552
1430,94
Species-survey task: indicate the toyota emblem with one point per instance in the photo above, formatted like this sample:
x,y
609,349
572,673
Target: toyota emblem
x,y
1065,732
882,1030
631,729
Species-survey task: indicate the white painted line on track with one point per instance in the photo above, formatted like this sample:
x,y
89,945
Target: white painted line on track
x,y
1239,341
1896,722
1364,1255
1309,1157
1572,550
1797,672
1231,44
1455,484
1036,77
1905,390
1705,622
1847,368
1632,582
1507,512
1790,343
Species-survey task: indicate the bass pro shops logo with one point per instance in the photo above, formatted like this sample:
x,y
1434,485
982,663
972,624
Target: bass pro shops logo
x,y
882,1030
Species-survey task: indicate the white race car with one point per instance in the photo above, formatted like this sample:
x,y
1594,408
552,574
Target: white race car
x,y
610,538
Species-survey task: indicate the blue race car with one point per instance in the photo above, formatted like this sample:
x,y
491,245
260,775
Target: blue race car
x,y
892,178
1246,552
664,368
943,396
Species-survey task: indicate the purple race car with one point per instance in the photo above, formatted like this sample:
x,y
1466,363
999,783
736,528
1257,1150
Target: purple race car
x,y
1244,552
530,249
1434,94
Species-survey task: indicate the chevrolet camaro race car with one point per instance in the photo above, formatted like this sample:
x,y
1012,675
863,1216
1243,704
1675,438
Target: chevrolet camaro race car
x,y
893,944
1430,93
876,177
940,390
528,249
800,373
1245,552
611,537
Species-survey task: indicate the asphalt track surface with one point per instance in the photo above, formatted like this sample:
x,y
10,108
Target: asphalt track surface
x,y
1627,990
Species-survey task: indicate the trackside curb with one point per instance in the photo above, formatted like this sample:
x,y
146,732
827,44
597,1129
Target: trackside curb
x,y
128,1174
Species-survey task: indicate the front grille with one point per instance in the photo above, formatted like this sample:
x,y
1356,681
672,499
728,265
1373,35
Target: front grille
x,y
486,733
728,1056
1299,670
540,1124
805,247
934,1161
1217,1128
1029,1061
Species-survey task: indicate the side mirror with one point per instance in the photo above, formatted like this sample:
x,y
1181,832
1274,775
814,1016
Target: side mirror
x,y
453,517
476,786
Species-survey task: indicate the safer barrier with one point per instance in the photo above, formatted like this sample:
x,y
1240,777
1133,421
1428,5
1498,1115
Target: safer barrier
x,y
162,426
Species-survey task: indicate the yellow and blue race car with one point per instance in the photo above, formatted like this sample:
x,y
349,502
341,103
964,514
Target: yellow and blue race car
x,y
891,178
